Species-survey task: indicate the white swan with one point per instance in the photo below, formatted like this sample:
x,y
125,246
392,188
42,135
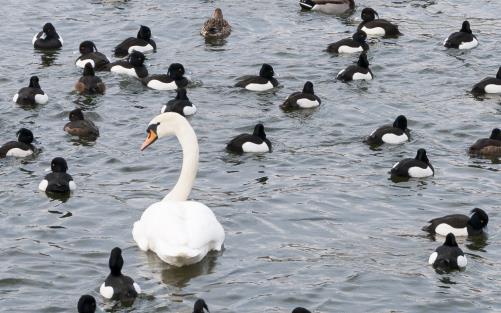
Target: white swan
x,y
180,232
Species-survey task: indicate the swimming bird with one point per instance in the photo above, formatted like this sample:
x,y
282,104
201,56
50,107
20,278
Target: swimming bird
x,y
172,81
31,95
89,54
142,43
216,27
463,39
488,146
459,224
357,43
302,100
300,310
328,6
488,85
58,181
86,304
199,306
118,286
180,232
418,167
47,39
78,126
20,148
181,104
255,143
448,256
394,134
89,83
133,66
264,81
359,71
377,27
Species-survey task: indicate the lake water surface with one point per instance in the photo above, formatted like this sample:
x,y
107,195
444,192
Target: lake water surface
x,y
316,223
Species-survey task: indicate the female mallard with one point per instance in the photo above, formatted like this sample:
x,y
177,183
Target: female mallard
x,y
216,27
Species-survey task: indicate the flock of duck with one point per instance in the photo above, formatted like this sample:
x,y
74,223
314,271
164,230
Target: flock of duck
x,y
182,232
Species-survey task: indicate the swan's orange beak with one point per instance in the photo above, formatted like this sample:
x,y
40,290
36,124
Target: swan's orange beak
x,y
152,137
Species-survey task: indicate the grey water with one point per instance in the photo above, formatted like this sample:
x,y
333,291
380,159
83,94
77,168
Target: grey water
x,y
316,223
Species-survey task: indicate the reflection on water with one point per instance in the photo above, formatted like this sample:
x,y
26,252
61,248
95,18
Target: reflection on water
x,y
180,277
321,188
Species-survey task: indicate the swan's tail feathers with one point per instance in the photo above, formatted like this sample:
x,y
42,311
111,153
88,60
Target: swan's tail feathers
x,y
139,235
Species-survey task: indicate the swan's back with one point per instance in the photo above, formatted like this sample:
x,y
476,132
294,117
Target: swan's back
x,y
179,232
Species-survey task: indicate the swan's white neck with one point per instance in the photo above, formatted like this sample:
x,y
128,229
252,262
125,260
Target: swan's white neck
x,y
188,140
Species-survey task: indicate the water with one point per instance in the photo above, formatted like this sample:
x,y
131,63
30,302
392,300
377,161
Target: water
x,y
317,223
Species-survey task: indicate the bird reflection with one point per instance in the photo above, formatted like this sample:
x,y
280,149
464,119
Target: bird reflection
x,y
180,277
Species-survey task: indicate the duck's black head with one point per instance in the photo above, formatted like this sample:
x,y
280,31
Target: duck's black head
x,y
498,75
369,14
362,60
58,165
88,70
360,36
300,310
496,134
25,136
136,58
259,131
144,33
199,306
266,71
465,28
479,219
176,71
49,30
421,156
181,94
87,47
450,240
308,88
86,304
400,122
76,115
34,82
116,261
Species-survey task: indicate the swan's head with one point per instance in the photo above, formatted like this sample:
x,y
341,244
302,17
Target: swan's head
x,y
162,125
